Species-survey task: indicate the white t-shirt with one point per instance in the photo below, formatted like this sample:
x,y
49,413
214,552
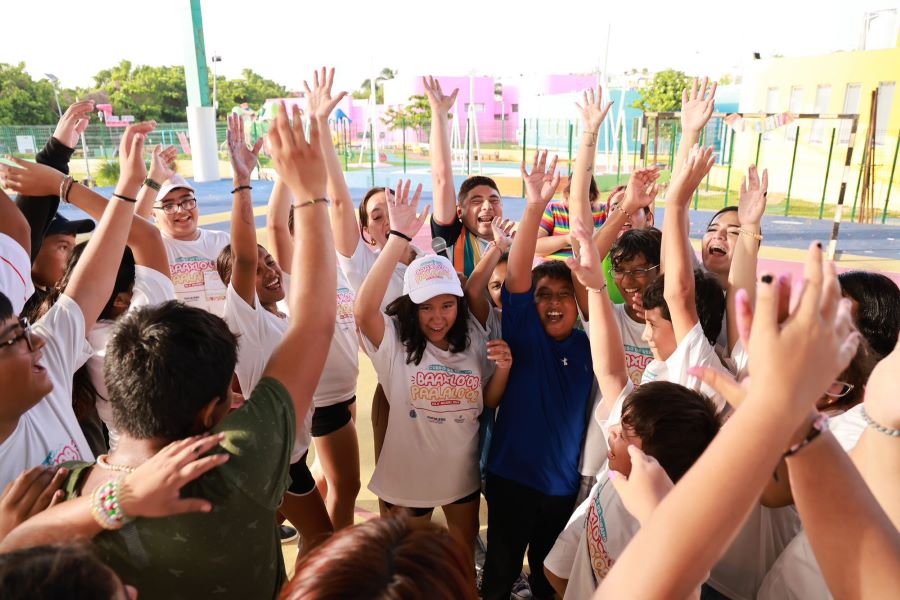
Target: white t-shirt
x,y
430,452
739,573
259,333
193,266
495,324
15,273
358,266
48,433
637,352
150,288
693,351
593,539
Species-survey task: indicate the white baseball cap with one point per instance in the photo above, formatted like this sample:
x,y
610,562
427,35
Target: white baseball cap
x,y
174,182
430,276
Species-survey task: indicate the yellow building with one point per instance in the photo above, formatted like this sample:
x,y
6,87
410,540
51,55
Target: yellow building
x,y
841,82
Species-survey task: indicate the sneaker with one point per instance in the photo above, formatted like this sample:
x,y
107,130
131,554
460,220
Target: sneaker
x,y
289,534
521,590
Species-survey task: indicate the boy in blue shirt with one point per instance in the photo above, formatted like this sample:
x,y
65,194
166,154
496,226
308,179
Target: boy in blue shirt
x,y
532,471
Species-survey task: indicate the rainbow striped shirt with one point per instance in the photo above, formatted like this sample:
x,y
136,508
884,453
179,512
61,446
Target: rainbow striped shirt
x,y
556,222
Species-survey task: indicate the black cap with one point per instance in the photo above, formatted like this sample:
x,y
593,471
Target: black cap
x,y
60,224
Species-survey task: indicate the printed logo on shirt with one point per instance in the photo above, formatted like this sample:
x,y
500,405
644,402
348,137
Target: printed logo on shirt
x,y
636,360
63,454
196,281
441,389
345,301
601,561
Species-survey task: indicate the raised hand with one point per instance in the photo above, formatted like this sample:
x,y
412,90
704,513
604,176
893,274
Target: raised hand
x,y
31,492
132,169
440,103
697,105
814,344
402,211
541,183
641,190
30,179
592,110
645,487
243,159
299,163
503,232
73,123
752,203
162,163
499,352
587,265
321,103
153,489
699,162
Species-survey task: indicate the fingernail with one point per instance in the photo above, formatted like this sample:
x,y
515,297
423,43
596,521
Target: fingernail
x,y
207,508
766,279
63,470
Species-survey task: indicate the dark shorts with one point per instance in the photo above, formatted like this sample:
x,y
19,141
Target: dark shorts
x,y
424,512
328,419
302,482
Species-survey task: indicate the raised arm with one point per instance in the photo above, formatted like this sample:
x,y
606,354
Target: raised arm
x,y
478,281
300,164
162,163
678,289
441,164
343,221
243,224
697,107
697,520
540,185
277,214
742,276
40,210
592,114
33,179
607,349
95,274
405,220
12,221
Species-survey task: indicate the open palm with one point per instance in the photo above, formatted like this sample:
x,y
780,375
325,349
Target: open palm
x,y
752,203
243,159
321,102
440,102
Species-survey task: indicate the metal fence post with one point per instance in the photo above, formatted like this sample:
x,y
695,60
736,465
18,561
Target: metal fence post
x,y
787,200
619,163
403,122
887,197
571,131
730,161
372,152
697,191
827,171
524,146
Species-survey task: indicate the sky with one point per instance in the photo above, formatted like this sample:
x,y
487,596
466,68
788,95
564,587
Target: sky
x,y
285,40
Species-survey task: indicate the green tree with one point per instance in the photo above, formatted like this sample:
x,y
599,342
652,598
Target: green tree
x,y
415,115
365,88
23,100
146,92
251,87
664,92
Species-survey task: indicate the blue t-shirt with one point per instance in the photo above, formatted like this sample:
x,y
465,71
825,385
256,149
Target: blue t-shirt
x,y
543,414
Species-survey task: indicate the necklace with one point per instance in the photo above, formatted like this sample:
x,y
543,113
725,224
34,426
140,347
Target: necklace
x,y
103,463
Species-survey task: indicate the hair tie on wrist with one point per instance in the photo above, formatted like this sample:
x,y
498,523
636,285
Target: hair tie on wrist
x,y
400,235
65,186
241,187
125,198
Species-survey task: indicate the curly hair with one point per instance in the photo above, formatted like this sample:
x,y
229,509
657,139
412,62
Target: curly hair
x,y
406,313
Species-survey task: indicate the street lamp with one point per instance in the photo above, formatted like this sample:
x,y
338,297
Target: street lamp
x,y
215,59
55,81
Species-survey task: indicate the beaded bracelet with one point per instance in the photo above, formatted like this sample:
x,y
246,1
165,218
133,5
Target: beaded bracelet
x,y
598,290
878,426
623,211
105,506
756,236
64,186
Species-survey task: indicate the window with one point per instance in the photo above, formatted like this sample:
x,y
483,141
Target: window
x,y
883,109
514,108
823,97
500,116
795,106
851,107
479,107
771,106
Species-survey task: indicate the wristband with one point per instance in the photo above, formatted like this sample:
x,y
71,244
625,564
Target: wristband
x,y
878,426
756,236
64,186
105,507
399,234
125,198
152,184
623,211
241,187
598,290
311,202
818,426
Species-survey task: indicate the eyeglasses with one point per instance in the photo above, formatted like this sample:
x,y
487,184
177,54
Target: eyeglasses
x,y
172,207
549,296
839,389
25,335
637,273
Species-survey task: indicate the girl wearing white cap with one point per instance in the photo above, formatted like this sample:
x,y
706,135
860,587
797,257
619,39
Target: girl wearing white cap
x,y
438,370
